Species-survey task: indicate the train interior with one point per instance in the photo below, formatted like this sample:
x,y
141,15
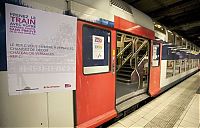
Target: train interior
x,y
132,67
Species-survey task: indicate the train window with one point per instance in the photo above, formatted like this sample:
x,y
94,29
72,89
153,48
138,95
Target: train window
x,y
182,65
156,54
184,43
187,65
178,40
197,62
188,45
190,63
170,68
96,50
194,63
170,37
177,67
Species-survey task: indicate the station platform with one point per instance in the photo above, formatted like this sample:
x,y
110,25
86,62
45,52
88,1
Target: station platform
x,y
178,107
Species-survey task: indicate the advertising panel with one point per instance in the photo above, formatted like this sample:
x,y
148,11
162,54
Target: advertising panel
x,y
41,51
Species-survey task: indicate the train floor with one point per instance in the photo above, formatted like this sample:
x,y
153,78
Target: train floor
x,y
123,89
178,107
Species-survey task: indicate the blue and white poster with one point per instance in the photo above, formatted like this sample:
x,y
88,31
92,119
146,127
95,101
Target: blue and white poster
x,y
41,51
98,47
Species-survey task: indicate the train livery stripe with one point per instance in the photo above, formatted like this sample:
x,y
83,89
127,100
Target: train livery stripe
x,y
133,28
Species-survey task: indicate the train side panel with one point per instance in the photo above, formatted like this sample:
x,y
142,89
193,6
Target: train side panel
x,y
155,70
167,81
176,67
95,94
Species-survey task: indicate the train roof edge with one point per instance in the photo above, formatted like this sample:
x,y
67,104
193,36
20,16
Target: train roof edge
x,y
107,9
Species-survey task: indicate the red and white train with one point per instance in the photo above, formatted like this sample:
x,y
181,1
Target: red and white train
x,y
139,59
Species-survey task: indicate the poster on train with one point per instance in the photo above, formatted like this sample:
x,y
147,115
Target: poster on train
x,y
98,47
41,51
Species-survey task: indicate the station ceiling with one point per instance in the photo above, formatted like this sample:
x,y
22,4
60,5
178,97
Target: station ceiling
x,y
181,16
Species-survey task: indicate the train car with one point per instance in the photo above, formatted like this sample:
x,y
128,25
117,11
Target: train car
x,y
180,58
136,59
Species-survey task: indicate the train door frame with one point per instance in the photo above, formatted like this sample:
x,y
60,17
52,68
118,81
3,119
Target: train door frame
x,y
148,46
132,28
139,92
155,71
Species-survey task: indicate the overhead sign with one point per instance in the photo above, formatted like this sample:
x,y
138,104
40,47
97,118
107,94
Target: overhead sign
x,y
41,51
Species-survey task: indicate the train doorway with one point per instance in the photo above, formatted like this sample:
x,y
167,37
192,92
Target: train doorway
x,y
132,69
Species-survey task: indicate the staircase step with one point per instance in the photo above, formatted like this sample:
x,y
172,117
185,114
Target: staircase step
x,y
126,68
127,64
124,75
125,71
124,80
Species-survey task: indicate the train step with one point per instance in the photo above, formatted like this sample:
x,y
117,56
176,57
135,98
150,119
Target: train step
x,y
128,103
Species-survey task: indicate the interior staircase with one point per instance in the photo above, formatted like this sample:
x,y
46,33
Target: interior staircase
x,y
127,68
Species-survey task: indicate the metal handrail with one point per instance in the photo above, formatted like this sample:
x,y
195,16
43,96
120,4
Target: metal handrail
x,y
142,58
137,70
138,50
126,59
139,63
122,51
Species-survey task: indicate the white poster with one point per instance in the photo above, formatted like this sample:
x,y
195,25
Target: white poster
x,y
155,55
41,51
98,47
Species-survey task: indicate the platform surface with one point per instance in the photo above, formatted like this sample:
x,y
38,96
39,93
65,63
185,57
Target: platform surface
x,y
179,107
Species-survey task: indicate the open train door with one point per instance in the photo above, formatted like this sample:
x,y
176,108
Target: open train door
x,y
133,63
95,91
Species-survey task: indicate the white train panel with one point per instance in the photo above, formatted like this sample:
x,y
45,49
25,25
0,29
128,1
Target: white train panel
x,y
160,35
93,11
166,81
58,6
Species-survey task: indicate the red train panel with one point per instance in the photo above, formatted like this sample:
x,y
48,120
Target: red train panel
x,y
133,28
95,94
154,80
